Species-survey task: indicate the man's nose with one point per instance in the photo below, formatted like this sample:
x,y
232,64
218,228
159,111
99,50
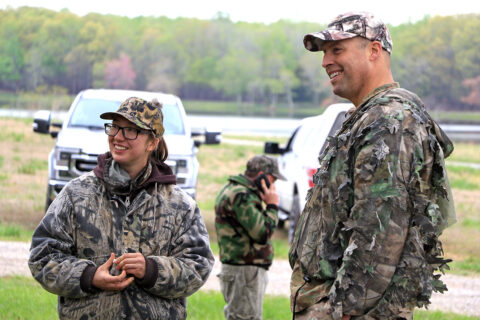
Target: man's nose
x,y
326,60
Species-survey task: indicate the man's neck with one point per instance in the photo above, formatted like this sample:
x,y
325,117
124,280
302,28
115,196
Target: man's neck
x,y
374,84
377,90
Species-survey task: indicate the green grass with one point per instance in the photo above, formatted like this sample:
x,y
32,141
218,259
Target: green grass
x,y
15,233
22,196
209,305
463,184
32,166
3,175
24,298
465,152
12,136
279,139
456,116
281,247
463,178
470,223
467,267
438,315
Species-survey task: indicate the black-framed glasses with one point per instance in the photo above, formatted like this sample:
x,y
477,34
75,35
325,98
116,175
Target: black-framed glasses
x,y
129,133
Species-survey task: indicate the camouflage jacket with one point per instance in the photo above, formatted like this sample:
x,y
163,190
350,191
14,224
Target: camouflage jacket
x,y
97,214
244,227
368,236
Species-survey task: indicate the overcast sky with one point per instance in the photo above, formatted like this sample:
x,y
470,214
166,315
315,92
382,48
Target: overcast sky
x,y
266,11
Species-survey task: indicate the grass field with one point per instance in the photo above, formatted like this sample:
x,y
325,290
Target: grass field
x,y
23,179
24,298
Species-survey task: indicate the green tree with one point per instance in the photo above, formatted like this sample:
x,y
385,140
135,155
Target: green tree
x,y
11,57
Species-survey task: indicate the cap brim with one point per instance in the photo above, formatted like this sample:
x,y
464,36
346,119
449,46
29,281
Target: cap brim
x,y
314,41
279,176
112,115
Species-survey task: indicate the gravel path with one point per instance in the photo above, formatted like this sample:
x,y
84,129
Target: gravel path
x,y
462,297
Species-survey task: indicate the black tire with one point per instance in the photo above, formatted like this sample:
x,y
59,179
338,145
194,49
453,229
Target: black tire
x,y
293,219
48,201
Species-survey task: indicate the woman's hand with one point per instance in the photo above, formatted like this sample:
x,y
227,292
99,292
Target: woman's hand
x,y
105,281
132,263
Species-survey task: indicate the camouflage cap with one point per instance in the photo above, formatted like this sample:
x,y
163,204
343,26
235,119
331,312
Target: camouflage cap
x,y
266,164
349,25
146,115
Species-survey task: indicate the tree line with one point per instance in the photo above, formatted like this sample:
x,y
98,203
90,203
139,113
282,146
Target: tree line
x,y
48,51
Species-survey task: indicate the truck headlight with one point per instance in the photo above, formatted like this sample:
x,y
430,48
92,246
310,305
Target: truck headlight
x,y
63,157
182,166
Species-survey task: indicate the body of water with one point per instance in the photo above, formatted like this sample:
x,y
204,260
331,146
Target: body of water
x,y
261,126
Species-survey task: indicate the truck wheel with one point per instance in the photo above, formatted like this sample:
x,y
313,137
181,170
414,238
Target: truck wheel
x,y
294,214
48,201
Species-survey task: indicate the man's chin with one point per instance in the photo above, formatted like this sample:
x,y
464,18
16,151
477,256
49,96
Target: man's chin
x,y
339,92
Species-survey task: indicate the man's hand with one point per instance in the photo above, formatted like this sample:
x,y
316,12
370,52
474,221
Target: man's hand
x,y
269,195
105,281
132,263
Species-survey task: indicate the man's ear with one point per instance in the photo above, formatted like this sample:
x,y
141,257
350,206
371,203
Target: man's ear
x,y
375,50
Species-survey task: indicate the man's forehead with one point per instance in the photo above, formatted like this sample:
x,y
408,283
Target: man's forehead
x,y
328,44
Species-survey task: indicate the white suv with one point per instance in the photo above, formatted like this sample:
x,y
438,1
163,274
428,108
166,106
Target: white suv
x,y
82,138
298,160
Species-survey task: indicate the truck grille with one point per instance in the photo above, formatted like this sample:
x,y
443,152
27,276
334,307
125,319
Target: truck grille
x,y
85,165
81,163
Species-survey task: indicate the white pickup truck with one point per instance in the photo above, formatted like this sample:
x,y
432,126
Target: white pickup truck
x,y
298,160
82,138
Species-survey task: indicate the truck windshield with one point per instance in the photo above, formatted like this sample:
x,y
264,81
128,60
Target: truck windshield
x,y
87,114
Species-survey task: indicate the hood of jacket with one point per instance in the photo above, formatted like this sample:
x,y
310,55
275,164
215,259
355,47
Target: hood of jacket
x,y
118,181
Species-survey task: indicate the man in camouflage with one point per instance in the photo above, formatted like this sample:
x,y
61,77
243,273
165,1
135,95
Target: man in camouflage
x,y
366,245
244,227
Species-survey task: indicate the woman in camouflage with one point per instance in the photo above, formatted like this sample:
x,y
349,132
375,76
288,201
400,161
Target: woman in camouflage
x,y
123,241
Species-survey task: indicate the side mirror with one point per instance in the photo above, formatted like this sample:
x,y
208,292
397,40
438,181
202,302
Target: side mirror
x,y
273,148
41,121
213,137
209,137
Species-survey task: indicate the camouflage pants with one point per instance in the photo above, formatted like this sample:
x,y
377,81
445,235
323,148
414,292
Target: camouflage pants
x,y
243,288
320,310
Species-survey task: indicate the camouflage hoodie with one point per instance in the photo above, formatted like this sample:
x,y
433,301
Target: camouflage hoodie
x,y
368,236
102,212
244,227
